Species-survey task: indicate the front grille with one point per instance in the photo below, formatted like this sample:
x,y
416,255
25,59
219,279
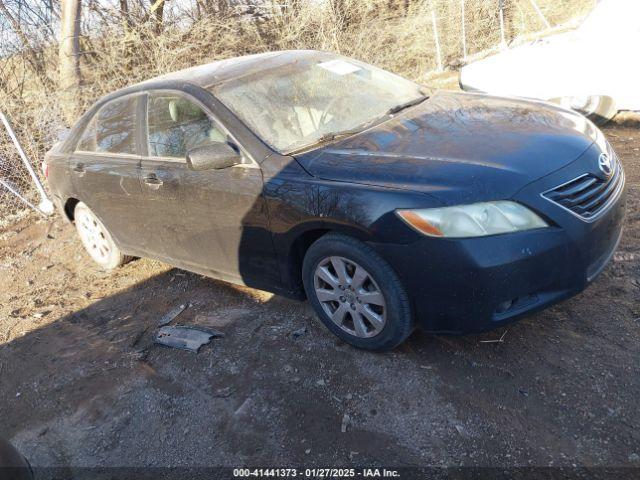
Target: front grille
x,y
589,195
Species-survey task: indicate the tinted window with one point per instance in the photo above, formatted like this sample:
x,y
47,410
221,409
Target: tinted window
x,y
112,129
88,140
176,125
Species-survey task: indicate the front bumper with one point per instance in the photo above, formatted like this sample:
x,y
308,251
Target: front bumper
x,y
477,284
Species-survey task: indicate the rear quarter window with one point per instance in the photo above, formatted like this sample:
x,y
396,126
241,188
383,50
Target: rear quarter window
x,y
112,129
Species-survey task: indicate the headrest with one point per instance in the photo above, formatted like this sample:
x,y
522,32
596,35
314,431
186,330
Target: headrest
x,y
183,111
174,110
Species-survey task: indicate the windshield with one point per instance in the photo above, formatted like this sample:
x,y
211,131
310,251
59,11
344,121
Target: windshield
x,y
298,104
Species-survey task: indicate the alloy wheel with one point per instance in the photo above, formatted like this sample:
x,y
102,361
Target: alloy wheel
x,y
93,236
350,296
586,105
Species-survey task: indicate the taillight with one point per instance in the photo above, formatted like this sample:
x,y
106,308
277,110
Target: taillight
x,y
45,169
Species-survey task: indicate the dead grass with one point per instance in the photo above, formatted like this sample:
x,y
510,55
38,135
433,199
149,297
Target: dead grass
x,y
392,34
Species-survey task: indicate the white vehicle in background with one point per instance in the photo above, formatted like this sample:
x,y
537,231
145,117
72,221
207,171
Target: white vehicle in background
x,y
593,69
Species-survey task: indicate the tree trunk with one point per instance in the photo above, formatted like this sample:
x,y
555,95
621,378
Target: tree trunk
x,y
126,18
69,56
157,10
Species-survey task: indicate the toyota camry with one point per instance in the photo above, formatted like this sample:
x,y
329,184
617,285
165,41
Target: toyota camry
x,y
317,176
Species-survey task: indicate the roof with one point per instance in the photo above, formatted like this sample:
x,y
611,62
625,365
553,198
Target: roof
x,y
224,70
217,72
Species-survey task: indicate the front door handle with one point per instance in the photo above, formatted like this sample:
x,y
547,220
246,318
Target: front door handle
x,y
153,181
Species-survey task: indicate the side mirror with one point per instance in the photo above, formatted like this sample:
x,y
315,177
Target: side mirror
x,y
214,156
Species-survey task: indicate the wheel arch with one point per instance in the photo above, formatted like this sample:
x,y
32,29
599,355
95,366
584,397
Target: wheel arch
x,y
607,107
300,242
69,208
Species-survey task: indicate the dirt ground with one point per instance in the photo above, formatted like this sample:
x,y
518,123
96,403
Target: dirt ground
x,y
82,384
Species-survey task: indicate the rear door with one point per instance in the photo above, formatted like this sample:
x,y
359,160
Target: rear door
x,y
105,167
210,220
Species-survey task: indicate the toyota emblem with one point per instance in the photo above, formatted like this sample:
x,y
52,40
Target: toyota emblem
x,y
605,164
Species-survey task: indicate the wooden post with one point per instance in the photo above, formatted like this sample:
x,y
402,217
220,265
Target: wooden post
x,y
464,33
437,40
503,41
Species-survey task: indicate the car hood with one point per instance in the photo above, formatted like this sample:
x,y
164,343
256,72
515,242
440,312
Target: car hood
x,y
459,148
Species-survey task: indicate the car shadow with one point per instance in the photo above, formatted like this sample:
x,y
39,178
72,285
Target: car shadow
x,y
92,388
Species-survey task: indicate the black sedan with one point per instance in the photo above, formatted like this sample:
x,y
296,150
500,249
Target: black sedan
x,y
313,175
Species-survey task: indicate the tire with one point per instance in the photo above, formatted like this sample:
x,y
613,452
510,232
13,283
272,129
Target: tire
x,y
97,240
597,108
367,300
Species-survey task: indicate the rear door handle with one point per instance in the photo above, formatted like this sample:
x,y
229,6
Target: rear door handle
x,y
79,169
153,181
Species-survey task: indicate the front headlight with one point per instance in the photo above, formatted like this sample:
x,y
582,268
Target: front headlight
x,y
475,220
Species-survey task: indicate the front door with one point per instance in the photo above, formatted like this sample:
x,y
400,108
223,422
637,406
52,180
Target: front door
x,y
105,168
211,221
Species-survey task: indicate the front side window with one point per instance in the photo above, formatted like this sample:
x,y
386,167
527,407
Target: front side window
x,y
297,104
112,129
175,125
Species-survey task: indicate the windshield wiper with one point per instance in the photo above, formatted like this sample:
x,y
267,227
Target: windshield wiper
x,y
408,104
328,137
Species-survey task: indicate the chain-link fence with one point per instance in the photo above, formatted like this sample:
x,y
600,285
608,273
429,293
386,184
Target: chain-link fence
x,y
464,29
21,187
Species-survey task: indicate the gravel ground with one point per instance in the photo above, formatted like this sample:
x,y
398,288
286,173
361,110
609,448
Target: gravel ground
x,y
82,384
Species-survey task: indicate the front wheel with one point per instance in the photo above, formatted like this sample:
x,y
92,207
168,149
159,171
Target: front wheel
x,y
356,293
96,239
597,108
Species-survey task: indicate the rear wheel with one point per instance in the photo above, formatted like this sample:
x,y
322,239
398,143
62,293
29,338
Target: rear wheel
x,y
96,239
356,293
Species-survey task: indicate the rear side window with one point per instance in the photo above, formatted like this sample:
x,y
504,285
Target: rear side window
x,y
176,125
112,129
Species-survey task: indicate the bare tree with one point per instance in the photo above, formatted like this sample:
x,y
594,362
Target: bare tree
x,y
69,56
33,54
126,17
157,10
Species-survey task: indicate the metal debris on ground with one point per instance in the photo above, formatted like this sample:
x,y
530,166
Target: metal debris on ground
x,y
462,431
223,392
346,420
499,340
299,332
185,338
211,320
245,407
171,314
